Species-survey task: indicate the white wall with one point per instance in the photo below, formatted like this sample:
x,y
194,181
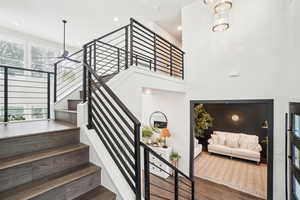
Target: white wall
x,y
173,105
256,45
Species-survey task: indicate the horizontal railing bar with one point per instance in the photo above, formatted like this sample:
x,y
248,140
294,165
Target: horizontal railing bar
x,y
115,97
12,91
112,32
128,159
160,168
23,86
115,38
157,35
163,160
143,31
111,46
10,97
149,42
66,73
60,92
116,111
23,108
117,153
24,81
26,69
113,156
23,75
66,81
117,132
27,114
26,103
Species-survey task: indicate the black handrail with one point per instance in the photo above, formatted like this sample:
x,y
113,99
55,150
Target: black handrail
x,y
12,96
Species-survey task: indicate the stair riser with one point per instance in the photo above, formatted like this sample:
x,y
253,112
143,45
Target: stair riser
x,y
72,190
32,143
66,117
72,104
24,173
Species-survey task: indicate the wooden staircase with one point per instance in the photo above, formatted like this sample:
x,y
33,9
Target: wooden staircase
x,y
49,166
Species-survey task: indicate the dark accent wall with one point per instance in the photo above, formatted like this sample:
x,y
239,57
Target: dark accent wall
x,y
251,118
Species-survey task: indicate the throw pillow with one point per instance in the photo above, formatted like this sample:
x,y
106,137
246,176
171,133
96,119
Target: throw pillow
x,y
252,144
243,142
215,139
232,141
221,139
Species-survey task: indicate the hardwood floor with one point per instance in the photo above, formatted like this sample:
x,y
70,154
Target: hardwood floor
x,y
239,175
207,190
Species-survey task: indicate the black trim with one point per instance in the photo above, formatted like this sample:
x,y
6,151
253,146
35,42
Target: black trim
x,y
270,103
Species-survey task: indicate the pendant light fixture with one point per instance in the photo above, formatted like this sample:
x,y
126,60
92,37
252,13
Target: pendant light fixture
x,y
220,9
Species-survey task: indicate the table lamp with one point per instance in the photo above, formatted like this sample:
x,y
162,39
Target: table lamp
x,y
164,134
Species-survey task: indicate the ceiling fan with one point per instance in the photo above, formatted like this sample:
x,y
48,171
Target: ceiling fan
x,y
65,53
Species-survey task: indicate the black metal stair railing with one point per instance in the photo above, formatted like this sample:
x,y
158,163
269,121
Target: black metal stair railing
x,y
162,180
25,94
116,126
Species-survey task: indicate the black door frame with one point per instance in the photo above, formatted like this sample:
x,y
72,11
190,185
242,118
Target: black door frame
x,y
270,103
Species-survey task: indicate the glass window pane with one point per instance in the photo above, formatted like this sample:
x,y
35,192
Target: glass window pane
x,y
43,58
12,54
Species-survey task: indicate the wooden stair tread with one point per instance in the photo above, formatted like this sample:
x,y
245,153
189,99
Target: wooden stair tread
x,y
99,193
30,157
38,187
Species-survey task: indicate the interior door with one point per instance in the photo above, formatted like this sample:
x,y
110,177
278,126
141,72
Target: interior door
x,y
293,161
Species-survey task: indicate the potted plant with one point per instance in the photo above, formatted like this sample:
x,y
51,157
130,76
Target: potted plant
x,y
147,133
174,157
203,121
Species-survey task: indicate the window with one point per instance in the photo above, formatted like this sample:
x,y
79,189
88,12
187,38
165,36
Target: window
x,y
38,113
12,54
15,113
42,58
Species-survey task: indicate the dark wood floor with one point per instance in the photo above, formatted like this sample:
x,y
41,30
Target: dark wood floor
x,y
207,190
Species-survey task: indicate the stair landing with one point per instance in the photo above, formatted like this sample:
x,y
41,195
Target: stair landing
x,y
32,127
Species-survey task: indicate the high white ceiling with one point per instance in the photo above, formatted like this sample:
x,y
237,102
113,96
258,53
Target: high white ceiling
x,y
88,19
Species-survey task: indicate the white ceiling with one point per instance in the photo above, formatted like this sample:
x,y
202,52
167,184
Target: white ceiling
x,y
88,19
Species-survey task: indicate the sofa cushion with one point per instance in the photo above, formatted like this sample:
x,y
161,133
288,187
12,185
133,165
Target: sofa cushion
x,y
219,148
215,139
249,142
245,153
232,140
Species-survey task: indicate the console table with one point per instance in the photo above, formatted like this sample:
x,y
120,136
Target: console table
x,y
165,153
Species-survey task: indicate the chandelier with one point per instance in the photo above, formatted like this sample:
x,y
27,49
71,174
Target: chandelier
x,y
220,10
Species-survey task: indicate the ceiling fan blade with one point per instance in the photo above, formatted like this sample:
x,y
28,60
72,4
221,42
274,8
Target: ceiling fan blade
x,y
72,60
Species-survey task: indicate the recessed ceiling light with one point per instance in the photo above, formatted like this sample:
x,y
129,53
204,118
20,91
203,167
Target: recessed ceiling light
x,y
116,19
179,28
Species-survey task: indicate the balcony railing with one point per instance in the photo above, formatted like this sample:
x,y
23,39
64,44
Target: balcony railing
x,y
25,94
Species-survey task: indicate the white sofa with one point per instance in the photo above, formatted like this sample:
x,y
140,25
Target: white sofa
x,y
237,145
197,148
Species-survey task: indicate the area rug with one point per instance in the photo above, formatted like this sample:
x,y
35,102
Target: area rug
x,y
240,175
